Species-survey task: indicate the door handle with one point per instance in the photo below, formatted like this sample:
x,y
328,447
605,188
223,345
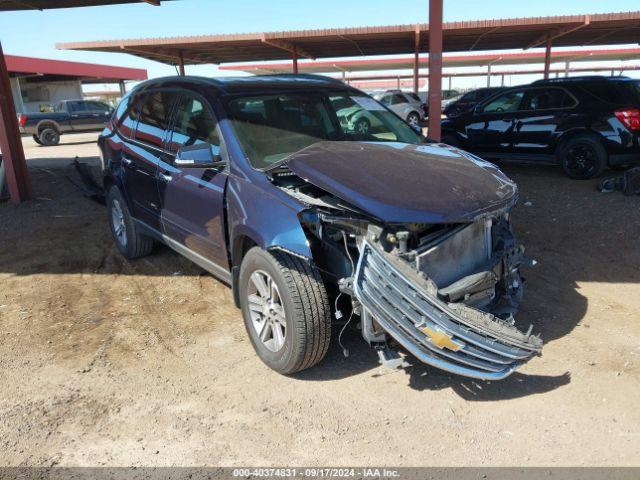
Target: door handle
x,y
164,177
127,162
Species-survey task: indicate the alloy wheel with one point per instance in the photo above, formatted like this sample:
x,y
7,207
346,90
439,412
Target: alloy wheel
x,y
581,160
413,120
266,310
117,220
362,126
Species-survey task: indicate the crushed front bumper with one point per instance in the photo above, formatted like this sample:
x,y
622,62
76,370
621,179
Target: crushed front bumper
x,y
452,337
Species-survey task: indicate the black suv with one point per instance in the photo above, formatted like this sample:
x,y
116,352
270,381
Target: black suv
x,y
469,100
583,123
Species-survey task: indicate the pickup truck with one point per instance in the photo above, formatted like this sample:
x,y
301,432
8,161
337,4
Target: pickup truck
x,y
69,116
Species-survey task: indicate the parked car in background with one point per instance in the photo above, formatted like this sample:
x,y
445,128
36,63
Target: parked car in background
x,y
584,124
68,116
309,219
469,100
406,105
447,97
449,101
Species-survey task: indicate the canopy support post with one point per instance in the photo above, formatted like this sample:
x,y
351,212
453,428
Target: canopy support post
x,y
435,69
416,60
181,64
15,166
547,58
294,58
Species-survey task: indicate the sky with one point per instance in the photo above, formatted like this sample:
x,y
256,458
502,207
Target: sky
x,y
35,33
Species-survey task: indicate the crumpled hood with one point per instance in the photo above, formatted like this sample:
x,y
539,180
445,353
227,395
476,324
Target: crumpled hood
x,y
405,183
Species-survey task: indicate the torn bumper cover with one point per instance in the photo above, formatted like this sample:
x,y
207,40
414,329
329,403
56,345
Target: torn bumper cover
x,y
450,336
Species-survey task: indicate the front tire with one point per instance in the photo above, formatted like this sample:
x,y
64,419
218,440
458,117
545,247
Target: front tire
x,y
583,157
129,241
49,137
286,310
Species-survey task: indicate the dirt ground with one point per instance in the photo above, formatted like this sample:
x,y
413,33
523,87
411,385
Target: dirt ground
x,y
106,362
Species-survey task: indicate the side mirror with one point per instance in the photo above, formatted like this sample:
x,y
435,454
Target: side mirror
x,y
200,155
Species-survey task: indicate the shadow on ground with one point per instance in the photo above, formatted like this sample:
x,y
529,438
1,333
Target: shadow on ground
x,y
421,377
574,232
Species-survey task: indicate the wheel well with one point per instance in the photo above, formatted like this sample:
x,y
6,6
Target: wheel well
x,y
566,137
241,245
45,125
107,183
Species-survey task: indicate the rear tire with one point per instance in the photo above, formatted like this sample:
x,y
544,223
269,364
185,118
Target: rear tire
x,y
362,126
413,119
49,137
286,310
36,139
583,157
129,241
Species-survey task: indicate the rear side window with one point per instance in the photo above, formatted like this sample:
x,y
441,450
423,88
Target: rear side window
x,y
76,107
194,124
397,99
547,99
127,114
97,106
122,108
619,93
153,122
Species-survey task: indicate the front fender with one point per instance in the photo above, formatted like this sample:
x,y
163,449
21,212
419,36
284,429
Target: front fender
x,y
269,219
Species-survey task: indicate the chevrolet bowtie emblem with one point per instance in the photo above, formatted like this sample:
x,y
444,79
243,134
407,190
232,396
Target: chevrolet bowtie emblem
x,y
441,339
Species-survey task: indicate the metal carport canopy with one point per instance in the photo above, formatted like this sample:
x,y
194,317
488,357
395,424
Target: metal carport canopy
x,y
8,5
499,34
448,61
63,69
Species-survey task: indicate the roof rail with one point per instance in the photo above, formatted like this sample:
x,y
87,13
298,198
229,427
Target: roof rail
x,y
582,78
310,76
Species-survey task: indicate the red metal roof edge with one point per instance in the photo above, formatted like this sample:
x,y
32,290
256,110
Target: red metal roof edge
x,y
46,66
424,58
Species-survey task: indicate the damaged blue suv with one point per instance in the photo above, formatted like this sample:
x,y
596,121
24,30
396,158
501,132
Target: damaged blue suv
x,y
266,183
